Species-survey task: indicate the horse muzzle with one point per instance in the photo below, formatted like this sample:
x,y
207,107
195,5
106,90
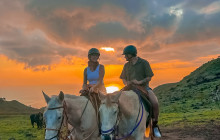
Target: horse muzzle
x,y
108,137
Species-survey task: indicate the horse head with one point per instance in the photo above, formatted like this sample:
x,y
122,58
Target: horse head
x,y
109,111
53,116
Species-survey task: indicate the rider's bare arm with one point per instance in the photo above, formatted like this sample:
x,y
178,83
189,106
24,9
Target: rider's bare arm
x,y
126,83
148,79
141,82
85,79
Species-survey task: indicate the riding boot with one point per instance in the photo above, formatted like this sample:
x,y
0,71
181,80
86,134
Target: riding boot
x,y
156,130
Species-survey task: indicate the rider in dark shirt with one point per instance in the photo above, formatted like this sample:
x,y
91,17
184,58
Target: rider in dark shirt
x,y
137,71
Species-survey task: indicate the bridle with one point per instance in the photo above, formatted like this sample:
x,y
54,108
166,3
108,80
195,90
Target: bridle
x,y
114,129
64,113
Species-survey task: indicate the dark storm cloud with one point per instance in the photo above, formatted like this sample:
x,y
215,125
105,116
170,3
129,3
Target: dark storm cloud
x,y
32,49
197,27
41,32
183,52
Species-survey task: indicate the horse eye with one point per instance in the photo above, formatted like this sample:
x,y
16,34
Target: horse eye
x,y
59,118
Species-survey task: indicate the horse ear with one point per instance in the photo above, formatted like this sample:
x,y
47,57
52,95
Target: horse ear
x,y
101,96
47,98
61,96
116,97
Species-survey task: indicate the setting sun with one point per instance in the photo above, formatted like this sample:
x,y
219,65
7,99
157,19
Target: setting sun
x,y
112,89
108,49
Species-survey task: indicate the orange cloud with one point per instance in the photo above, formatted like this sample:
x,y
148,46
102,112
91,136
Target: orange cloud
x,y
25,85
45,45
108,49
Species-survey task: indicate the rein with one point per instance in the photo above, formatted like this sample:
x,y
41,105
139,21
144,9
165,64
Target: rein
x,y
96,115
84,112
64,113
117,121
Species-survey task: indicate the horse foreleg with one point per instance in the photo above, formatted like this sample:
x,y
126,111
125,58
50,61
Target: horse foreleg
x,y
139,137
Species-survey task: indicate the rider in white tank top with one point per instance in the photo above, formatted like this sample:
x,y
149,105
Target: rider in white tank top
x,y
94,73
93,76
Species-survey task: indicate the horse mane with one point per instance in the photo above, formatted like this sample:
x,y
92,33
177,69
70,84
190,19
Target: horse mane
x,y
109,98
55,99
70,96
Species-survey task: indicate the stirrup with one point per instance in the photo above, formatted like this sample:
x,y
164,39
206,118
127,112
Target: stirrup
x,y
156,132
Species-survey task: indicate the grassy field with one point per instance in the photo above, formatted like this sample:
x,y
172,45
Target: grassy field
x,y
196,118
18,127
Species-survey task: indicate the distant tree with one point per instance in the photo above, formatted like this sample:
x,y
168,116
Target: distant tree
x,y
3,99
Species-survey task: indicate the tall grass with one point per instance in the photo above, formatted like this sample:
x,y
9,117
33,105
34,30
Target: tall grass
x,y
18,127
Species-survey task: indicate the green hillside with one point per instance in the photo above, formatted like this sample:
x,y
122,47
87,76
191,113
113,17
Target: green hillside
x,y
193,104
195,91
15,107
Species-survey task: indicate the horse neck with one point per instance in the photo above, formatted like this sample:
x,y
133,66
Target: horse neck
x,y
82,122
76,109
129,107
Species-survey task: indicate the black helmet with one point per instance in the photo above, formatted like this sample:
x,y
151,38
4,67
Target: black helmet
x,y
130,49
93,51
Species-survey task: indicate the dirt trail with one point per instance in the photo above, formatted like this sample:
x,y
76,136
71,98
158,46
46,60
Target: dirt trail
x,y
210,132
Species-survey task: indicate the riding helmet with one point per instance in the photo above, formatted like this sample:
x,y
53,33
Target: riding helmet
x,y
93,51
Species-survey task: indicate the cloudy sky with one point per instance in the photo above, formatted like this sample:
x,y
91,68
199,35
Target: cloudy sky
x,y
44,43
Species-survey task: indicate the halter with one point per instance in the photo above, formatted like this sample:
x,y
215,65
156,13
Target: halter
x,y
64,112
113,129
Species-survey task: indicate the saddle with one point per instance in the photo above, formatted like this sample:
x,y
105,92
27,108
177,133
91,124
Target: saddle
x,y
93,97
144,98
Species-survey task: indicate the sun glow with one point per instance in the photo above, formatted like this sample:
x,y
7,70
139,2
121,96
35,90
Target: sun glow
x,y
108,49
112,89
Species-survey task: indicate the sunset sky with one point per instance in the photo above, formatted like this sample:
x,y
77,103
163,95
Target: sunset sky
x,y
44,43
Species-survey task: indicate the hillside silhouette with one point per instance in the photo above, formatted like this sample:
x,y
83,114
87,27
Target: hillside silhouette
x,y
15,107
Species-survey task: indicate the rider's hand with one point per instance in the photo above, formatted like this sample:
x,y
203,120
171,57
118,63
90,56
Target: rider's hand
x,y
128,83
92,89
85,87
136,82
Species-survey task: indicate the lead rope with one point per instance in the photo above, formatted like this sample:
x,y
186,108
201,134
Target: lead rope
x,y
84,109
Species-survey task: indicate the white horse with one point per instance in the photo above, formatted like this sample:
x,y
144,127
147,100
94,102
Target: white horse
x,y
74,110
122,116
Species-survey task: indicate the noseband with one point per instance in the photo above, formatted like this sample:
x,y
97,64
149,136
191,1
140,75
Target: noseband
x,y
114,130
64,112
